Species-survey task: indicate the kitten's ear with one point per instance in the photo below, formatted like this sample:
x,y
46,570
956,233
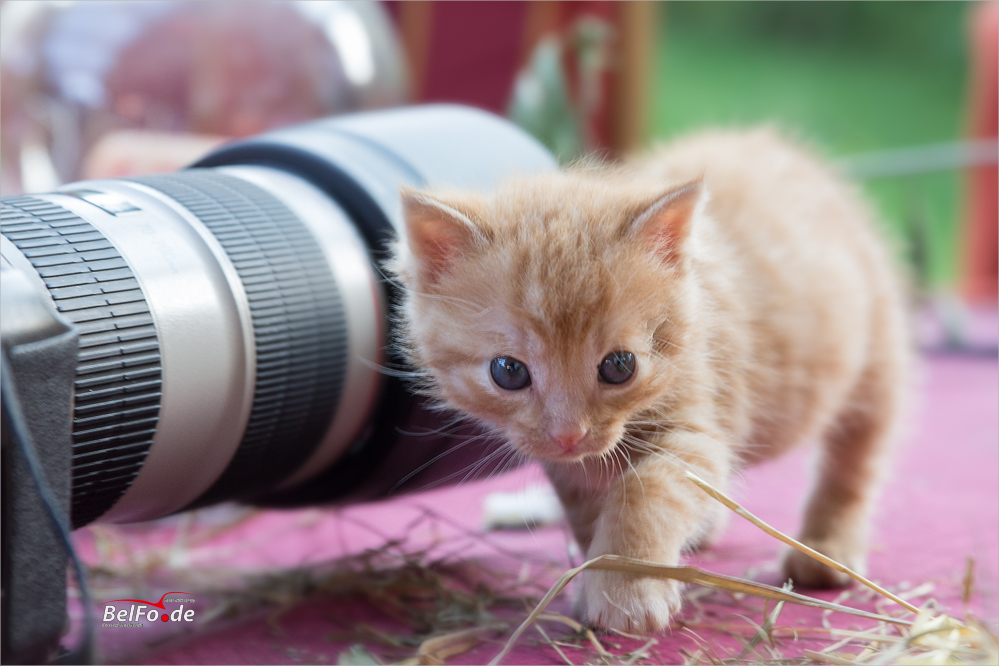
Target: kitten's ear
x,y
437,234
665,224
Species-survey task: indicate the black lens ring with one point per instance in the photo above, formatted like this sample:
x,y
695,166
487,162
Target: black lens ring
x,y
299,324
362,209
118,383
348,476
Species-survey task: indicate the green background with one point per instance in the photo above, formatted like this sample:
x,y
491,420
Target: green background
x,y
847,77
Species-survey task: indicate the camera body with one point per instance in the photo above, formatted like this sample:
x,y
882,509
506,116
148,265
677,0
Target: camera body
x,y
42,347
224,332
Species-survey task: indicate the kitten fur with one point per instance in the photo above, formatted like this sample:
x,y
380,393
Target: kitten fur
x,y
761,306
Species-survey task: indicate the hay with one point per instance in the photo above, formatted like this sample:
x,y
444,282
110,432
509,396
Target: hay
x,y
727,501
930,639
443,606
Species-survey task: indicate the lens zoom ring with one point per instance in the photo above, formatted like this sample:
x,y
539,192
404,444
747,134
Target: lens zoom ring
x,y
117,393
298,322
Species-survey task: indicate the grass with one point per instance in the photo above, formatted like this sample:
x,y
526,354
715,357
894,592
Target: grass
x,y
888,76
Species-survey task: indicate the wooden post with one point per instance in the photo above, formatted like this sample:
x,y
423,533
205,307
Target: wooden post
x,y
415,30
981,234
637,24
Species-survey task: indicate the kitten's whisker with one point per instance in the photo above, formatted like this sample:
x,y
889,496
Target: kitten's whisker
x,y
620,473
666,426
464,469
511,463
458,418
482,464
504,465
472,469
645,447
605,466
710,355
641,484
430,462
603,470
693,453
477,308
391,372
618,469
661,453
515,461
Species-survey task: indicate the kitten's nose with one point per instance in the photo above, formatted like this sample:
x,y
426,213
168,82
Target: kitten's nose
x,y
568,438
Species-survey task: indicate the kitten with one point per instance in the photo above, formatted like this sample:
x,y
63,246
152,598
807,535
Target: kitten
x,y
702,309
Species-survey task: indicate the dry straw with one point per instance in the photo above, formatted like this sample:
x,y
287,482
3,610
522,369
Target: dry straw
x,y
928,639
447,608
685,574
829,562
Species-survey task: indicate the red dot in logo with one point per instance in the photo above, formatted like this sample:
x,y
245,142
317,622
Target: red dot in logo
x,y
165,617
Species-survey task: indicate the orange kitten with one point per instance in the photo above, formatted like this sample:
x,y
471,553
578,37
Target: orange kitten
x,y
705,308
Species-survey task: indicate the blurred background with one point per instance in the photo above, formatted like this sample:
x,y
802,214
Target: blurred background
x,y
903,94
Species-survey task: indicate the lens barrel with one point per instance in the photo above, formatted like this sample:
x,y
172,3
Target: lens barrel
x,y
299,327
232,318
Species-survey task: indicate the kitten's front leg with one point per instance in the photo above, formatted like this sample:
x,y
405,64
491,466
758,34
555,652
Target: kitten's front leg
x,y
654,513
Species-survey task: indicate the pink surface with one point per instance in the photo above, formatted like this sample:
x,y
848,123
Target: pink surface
x,y
939,508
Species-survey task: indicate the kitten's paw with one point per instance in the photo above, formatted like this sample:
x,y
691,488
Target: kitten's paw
x,y
626,603
807,572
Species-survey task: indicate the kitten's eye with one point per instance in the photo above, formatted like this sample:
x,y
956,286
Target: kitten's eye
x,y
617,367
509,373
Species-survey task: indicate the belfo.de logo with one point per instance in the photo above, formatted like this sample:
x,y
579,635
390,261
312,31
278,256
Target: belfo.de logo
x,y
139,612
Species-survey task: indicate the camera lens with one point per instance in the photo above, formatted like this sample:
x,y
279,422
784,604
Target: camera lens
x,y
224,333
232,320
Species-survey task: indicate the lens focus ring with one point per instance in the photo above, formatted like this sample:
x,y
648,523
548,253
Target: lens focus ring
x,y
298,322
117,389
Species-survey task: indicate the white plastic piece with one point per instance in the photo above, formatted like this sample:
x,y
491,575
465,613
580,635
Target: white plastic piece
x,y
534,506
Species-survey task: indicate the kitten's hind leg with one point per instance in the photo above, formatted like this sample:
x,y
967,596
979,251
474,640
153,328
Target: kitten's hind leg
x,y
853,456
